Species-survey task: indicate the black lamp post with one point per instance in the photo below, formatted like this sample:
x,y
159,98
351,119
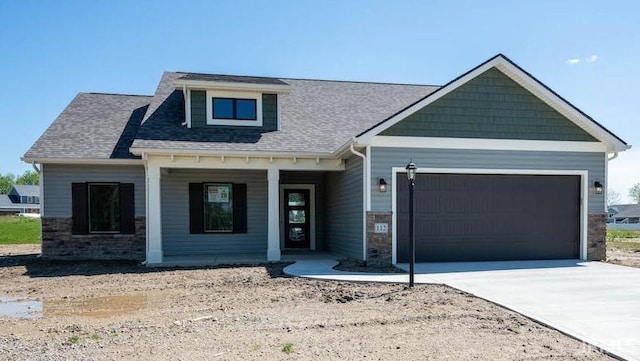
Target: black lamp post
x,y
411,174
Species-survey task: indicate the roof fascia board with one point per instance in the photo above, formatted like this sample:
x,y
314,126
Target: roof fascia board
x,y
82,161
213,85
229,153
487,144
524,79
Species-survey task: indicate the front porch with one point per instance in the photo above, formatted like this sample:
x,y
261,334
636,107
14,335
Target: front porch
x,y
274,206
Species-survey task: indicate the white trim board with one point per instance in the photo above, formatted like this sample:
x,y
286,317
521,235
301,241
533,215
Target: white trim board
x,y
584,196
312,212
486,144
523,79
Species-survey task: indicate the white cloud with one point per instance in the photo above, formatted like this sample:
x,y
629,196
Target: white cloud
x,y
591,59
574,61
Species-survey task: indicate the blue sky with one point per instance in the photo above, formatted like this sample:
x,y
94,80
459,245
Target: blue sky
x,y
587,51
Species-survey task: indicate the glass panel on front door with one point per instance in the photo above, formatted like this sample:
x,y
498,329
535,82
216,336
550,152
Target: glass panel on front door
x,y
297,226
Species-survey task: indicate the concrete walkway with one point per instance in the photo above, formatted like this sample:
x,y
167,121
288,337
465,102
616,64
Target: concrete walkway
x,y
598,303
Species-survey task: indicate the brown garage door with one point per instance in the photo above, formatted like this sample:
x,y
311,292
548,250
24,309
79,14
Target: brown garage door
x,y
462,217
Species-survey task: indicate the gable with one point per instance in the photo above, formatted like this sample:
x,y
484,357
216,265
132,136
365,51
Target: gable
x,y
492,106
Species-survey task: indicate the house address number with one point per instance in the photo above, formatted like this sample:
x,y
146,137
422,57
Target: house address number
x,y
381,227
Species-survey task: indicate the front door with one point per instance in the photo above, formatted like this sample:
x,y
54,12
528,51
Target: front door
x,y
297,232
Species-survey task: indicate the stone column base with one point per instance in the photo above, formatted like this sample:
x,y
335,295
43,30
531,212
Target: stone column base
x,y
378,243
597,237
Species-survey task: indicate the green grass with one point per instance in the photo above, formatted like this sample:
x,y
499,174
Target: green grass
x,y
287,348
621,233
624,239
19,230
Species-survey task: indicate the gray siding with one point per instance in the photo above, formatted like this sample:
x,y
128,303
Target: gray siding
x,y
315,178
269,112
198,108
489,106
199,111
344,216
57,181
383,159
176,239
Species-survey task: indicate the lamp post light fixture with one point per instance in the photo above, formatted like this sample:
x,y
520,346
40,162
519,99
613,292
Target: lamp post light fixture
x,y
411,175
598,186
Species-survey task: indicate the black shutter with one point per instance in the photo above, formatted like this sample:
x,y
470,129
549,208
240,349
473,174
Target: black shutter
x,y
196,208
239,208
79,208
127,209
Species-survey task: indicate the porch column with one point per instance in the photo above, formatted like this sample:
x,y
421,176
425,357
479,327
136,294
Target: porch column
x,y
273,238
154,215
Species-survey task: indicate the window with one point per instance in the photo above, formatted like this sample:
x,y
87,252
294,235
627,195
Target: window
x,y
217,208
102,208
234,108
239,109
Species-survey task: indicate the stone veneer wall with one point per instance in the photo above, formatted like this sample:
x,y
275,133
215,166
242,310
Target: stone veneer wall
x,y
597,237
59,243
378,244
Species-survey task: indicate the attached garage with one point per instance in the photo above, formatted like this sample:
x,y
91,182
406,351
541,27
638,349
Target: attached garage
x,y
490,217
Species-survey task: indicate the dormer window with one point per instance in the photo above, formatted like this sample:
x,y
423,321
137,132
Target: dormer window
x,y
238,109
234,108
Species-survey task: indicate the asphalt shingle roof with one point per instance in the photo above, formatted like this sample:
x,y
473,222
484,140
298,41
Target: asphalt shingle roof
x,y
627,210
94,126
27,190
231,78
317,116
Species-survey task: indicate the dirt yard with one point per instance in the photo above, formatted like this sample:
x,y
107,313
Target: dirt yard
x,y
101,311
624,252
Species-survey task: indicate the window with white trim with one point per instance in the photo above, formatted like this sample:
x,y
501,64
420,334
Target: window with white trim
x,y
234,108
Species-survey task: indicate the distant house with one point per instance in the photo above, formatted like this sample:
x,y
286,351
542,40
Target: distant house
x,y
20,199
624,214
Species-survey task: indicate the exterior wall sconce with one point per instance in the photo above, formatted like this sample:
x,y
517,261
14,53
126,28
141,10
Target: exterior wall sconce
x,y
382,185
598,187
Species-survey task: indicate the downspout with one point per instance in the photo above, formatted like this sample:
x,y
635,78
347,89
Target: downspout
x,y
615,155
364,198
186,105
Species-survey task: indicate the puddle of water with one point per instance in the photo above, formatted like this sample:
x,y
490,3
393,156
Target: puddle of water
x,y
96,307
20,308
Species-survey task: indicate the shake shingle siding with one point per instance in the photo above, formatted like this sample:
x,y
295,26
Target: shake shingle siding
x,y
490,106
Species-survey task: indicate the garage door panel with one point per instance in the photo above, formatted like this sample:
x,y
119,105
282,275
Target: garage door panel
x,y
462,217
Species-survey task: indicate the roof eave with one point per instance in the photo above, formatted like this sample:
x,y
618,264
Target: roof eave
x,y
220,85
81,161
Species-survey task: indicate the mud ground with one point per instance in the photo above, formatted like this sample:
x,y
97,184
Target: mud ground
x,y
112,310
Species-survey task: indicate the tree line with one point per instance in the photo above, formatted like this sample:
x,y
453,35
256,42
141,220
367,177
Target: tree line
x,y
9,179
613,197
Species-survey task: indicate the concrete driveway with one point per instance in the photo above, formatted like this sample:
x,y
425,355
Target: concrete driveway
x,y
595,302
